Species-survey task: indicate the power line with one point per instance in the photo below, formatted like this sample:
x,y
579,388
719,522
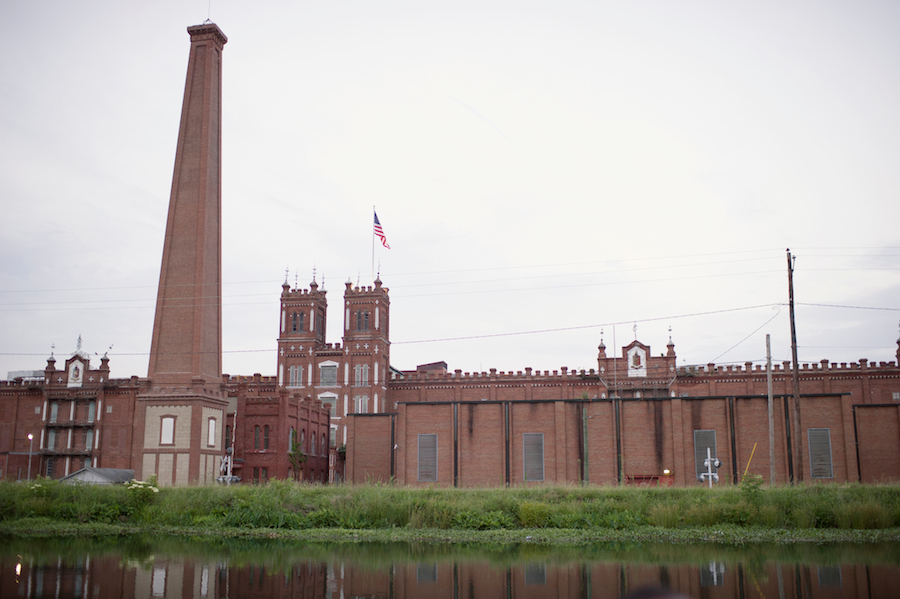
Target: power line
x,y
589,326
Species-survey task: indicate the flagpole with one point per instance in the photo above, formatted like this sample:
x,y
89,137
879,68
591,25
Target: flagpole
x,y
373,246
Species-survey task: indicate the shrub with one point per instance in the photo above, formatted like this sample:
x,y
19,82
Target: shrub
x,y
666,516
533,514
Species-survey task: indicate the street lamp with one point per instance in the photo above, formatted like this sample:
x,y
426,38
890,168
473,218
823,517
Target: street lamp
x,y
30,447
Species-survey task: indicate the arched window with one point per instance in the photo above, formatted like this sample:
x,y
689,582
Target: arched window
x,y
295,376
302,441
361,375
266,437
293,322
312,444
256,437
227,437
362,320
291,440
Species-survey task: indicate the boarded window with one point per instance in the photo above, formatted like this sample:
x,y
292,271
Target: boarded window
x,y
427,458
426,572
533,452
820,465
328,376
535,574
330,403
704,439
167,430
830,577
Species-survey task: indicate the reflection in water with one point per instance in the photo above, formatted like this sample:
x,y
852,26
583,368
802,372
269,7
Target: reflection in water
x,y
224,568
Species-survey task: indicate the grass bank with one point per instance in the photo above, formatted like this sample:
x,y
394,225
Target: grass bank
x,y
747,513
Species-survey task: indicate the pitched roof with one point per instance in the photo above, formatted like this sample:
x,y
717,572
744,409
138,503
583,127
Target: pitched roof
x,y
108,476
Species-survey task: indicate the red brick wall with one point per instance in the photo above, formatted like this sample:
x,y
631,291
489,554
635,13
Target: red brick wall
x,y
368,448
655,435
481,445
878,428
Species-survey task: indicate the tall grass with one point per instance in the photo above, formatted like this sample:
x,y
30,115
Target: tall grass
x,y
290,505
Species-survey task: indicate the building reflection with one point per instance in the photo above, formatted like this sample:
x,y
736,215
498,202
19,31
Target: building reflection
x,y
160,577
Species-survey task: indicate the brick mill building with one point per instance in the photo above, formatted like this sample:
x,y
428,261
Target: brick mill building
x,y
341,411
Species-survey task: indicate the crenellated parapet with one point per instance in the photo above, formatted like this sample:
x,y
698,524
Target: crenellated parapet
x,y
822,367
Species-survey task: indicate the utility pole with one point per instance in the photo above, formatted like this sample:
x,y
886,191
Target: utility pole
x,y
771,410
798,443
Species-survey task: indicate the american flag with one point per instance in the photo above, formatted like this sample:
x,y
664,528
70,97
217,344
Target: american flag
x,y
380,232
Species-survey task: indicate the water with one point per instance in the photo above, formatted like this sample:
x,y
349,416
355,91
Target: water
x,y
152,567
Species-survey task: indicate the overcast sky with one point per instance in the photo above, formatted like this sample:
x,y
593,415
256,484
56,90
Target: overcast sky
x,y
545,172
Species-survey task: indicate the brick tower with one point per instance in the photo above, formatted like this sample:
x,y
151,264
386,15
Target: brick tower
x,y
367,346
301,334
183,411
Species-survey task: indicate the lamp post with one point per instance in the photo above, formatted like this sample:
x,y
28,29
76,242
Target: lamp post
x,y
30,448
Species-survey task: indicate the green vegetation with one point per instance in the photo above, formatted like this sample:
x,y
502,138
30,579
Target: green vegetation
x,y
726,513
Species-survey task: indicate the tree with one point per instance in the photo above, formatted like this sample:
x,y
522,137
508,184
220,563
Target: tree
x,y
296,458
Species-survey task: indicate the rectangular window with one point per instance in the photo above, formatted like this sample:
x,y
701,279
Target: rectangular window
x,y
89,439
702,440
51,440
426,573
896,395
329,402
820,465
296,376
830,577
167,431
211,433
92,410
54,411
427,465
361,404
333,438
533,455
158,582
361,375
535,574
328,376
227,437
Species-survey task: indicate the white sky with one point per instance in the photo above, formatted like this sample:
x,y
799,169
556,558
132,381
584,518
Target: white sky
x,y
536,166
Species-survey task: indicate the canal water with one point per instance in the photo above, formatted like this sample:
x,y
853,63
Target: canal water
x,y
153,567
